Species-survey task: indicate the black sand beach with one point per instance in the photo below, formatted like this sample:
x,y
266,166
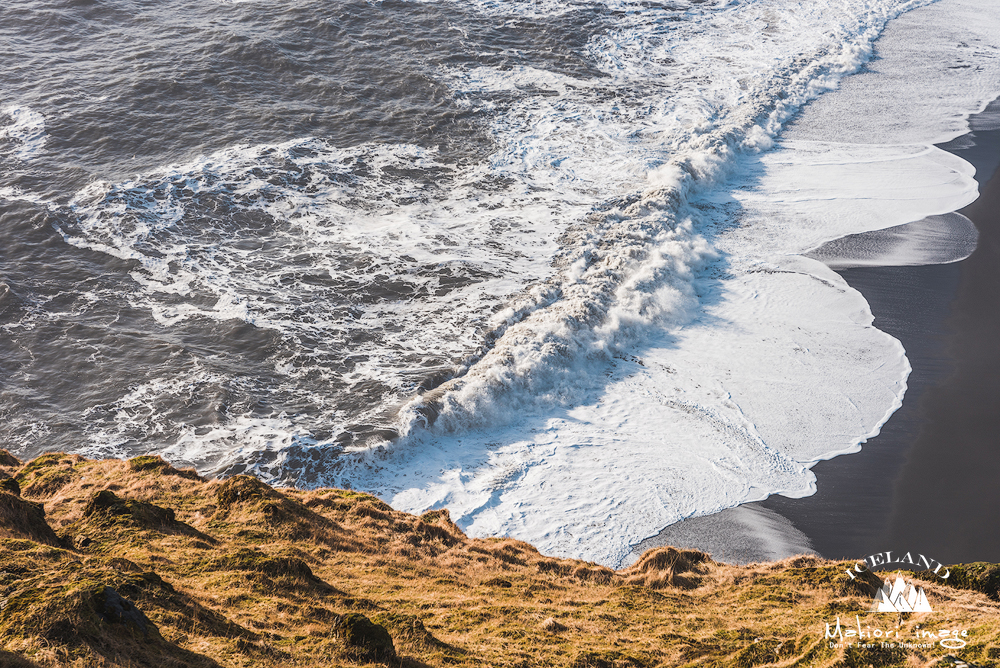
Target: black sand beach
x,y
929,481
948,497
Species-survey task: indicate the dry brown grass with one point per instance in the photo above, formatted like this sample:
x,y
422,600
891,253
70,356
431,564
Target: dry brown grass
x,y
235,573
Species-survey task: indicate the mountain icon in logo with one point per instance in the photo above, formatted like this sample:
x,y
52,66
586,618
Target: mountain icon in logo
x,y
900,596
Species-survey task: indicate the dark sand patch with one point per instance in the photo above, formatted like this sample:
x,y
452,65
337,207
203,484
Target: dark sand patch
x,y
743,535
849,513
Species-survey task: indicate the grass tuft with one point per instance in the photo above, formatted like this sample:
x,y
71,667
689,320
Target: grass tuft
x,y
10,485
20,518
8,460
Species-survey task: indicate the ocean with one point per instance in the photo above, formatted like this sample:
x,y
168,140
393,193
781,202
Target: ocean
x,y
565,268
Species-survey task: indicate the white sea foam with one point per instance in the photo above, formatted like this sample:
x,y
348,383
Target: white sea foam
x,y
26,130
13,194
704,129
636,337
308,238
935,67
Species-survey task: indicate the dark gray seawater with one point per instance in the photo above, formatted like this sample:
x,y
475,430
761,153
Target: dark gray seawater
x,y
127,87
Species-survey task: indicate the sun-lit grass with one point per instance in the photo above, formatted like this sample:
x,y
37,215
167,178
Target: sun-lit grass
x,y
235,573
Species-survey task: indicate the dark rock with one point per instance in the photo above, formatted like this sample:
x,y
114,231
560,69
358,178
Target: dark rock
x,y
114,609
144,514
370,641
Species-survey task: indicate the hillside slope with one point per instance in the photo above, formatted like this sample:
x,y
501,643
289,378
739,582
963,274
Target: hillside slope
x,y
136,563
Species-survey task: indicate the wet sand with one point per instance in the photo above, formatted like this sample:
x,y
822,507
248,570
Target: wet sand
x,y
930,481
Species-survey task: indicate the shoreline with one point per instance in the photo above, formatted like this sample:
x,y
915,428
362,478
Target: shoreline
x,y
913,486
947,492
888,496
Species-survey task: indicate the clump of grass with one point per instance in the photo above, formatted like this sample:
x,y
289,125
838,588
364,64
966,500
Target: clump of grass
x,y
153,463
552,626
669,567
978,576
10,485
157,465
243,490
47,474
20,518
265,513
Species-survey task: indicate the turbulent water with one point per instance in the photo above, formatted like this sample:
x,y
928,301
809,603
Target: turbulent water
x,y
540,262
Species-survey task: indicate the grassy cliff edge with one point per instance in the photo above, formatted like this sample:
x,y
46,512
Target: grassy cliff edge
x,y
136,563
